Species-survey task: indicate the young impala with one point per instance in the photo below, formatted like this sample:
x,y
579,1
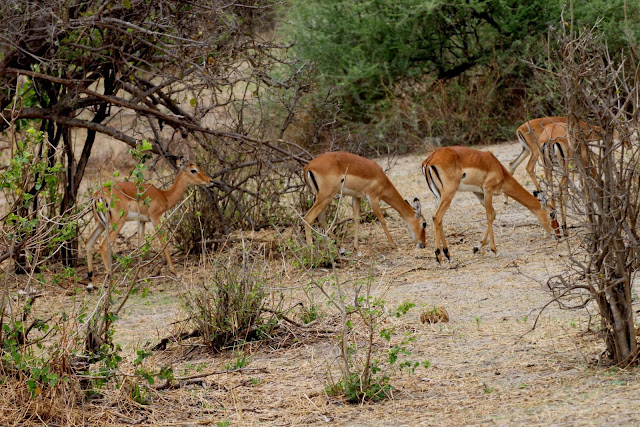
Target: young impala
x,y
113,207
451,169
337,172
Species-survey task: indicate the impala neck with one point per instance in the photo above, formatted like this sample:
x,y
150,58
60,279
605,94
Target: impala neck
x,y
176,191
395,200
517,192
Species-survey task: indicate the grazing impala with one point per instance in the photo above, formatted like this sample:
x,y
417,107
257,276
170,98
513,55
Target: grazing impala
x,y
451,169
337,172
557,148
112,207
529,135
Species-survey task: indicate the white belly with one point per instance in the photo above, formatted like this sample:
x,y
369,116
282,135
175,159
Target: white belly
x,y
472,188
135,216
353,193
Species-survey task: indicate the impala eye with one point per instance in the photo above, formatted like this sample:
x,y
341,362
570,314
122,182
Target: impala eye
x,y
194,171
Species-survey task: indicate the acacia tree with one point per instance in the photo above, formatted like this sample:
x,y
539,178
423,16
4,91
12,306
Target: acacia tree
x,y
161,70
605,196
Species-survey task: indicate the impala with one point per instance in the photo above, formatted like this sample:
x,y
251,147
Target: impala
x,y
451,169
528,135
558,148
337,172
114,206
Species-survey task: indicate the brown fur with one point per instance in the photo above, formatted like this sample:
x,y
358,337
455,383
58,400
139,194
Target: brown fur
x,y
122,208
528,135
340,172
435,315
557,148
449,168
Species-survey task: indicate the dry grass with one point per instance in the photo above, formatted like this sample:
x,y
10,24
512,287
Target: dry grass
x,y
487,364
435,315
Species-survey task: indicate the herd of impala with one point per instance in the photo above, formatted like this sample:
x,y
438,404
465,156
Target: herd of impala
x,y
447,170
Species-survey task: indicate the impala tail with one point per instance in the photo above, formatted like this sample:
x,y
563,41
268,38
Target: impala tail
x,y
522,141
101,210
311,181
429,173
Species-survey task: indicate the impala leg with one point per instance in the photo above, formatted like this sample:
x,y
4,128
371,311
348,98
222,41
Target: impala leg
x,y
558,197
107,243
531,168
482,201
95,234
157,223
318,208
516,162
355,204
141,226
548,173
375,206
441,243
562,201
487,201
322,219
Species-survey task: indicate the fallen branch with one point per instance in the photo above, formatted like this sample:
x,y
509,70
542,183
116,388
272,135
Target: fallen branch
x,y
183,381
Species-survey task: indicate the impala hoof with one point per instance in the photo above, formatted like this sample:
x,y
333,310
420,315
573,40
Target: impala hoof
x,y
477,249
87,282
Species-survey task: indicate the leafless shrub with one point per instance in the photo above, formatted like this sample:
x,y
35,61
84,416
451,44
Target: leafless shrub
x,y
605,192
253,190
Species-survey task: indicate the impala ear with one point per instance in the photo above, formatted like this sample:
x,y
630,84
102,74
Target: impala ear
x,y
542,198
417,207
181,163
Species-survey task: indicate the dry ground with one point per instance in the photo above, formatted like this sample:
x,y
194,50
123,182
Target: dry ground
x,y
487,364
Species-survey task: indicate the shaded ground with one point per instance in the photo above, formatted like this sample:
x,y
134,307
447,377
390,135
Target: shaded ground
x,y
487,365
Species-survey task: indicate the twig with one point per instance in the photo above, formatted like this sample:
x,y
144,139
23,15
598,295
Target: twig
x,y
172,383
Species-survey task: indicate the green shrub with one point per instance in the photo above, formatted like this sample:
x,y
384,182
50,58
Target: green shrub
x,y
406,71
228,308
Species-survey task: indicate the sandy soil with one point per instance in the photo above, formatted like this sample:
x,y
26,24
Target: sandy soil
x,y
487,364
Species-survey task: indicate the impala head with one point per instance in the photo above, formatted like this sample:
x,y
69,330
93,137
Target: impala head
x,y
417,225
551,224
193,174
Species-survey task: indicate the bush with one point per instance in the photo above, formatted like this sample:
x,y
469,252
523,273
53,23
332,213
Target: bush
x,y
228,309
460,66
251,192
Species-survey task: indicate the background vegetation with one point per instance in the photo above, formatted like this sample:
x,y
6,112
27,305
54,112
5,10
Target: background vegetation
x,y
456,71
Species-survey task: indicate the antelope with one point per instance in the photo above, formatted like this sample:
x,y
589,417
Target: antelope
x,y
337,172
114,206
451,169
528,135
558,148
